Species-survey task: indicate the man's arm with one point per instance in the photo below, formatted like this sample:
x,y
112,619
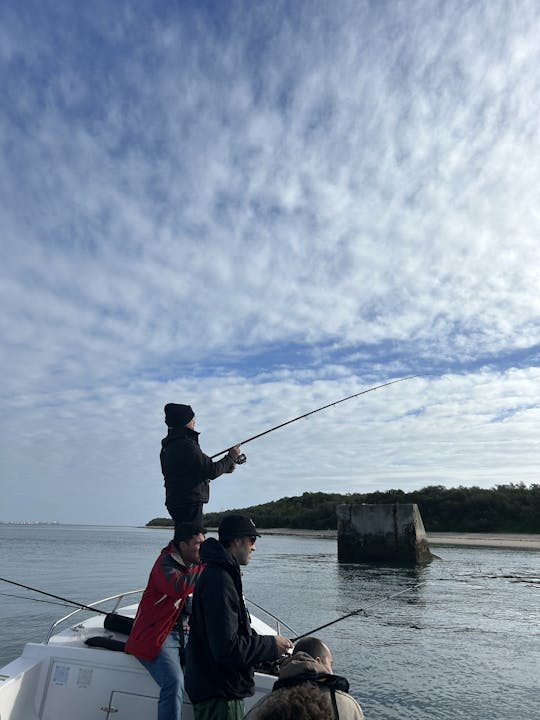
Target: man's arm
x,y
353,709
220,606
227,464
188,454
174,582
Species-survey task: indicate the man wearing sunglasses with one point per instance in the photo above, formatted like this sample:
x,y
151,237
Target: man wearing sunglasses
x,y
222,649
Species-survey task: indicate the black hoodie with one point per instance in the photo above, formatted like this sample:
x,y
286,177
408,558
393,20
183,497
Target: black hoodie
x,y
223,648
186,469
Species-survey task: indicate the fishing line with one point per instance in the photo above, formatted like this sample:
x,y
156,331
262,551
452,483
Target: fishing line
x,y
25,597
355,612
56,597
242,458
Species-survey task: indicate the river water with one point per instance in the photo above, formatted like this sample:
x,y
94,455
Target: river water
x,y
463,643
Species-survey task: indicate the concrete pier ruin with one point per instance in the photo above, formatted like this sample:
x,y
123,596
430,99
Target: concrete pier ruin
x,y
387,533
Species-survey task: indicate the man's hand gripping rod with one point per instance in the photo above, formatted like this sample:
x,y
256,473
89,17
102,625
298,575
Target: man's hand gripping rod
x,y
242,458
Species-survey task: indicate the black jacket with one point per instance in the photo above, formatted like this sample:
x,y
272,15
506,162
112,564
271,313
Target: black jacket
x,y
223,649
186,469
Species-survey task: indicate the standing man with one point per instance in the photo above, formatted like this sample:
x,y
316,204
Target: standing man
x,y
156,637
223,649
186,469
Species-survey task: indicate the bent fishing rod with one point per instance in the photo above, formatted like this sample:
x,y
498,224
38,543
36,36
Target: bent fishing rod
x,y
242,458
56,597
359,611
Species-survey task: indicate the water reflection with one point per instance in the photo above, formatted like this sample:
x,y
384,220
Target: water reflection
x,y
380,585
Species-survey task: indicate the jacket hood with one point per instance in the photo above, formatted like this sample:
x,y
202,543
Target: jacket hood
x,y
213,552
178,433
299,663
173,551
300,666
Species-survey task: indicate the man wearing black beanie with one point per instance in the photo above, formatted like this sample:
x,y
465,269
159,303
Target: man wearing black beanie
x,y
187,471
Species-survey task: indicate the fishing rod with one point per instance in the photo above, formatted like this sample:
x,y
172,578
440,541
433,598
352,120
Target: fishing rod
x,y
242,458
355,612
56,597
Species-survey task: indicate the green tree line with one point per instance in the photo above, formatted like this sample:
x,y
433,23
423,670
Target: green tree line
x,y
504,508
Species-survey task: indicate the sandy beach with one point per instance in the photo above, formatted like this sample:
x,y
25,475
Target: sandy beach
x,y
500,540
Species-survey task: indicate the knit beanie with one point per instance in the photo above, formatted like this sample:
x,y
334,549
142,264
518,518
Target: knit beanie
x,y
177,415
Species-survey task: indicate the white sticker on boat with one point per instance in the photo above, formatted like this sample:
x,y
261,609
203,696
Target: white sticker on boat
x,y
61,674
84,677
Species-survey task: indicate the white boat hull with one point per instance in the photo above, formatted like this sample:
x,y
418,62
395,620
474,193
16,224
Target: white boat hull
x,y
65,679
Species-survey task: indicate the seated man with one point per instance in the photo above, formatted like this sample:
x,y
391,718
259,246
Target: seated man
x,y
309,665
301,702
156,638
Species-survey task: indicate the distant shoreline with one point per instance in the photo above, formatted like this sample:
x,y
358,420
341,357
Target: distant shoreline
x,y
516,541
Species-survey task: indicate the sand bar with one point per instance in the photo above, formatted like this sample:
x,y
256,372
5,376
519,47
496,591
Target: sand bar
x,y
497,540
516,541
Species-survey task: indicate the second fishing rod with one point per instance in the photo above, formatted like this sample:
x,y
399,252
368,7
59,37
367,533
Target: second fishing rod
x,y
242,457
113,621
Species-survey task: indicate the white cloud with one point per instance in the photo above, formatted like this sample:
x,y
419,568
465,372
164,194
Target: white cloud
x,y
231,217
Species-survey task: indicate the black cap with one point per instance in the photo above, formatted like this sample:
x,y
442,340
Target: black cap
x,y
177,415
235,526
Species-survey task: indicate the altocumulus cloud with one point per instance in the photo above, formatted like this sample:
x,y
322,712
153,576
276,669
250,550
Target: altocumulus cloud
x,y
258,208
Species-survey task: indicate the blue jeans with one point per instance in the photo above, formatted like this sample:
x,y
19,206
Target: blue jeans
x,y
167,672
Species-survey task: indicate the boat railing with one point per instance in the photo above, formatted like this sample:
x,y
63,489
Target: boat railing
x,y
117,598
278,622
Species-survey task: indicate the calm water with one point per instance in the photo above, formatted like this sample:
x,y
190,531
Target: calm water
x,y
464,644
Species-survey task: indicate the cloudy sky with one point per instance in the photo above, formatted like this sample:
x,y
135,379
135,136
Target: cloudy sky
x,y
258,208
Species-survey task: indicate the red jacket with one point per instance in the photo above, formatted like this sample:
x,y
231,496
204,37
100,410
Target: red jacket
x,y
169,584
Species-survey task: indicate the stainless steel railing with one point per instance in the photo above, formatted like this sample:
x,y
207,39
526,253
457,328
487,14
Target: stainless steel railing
x,y
279,624
117,598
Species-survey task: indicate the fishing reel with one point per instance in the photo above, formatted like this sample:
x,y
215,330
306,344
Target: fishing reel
x,y
241,459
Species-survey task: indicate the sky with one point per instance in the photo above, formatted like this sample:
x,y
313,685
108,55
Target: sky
x,y
258,208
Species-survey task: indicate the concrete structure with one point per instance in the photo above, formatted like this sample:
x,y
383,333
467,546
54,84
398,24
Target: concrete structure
x,y
388,533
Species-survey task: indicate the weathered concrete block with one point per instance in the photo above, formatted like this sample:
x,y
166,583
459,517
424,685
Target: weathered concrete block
x,y
391,533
